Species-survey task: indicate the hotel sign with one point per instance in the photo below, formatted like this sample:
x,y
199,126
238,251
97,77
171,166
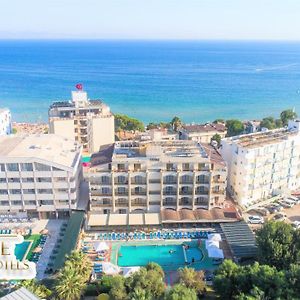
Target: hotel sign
x,y
10,267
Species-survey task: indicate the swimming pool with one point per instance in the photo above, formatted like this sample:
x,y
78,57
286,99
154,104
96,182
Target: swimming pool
x,y
21,249
169,257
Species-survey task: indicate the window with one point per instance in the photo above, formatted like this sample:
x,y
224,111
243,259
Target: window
x,y
28,179
121,179
56,169
185,167
13,167
186,179
44,191
170,167
3,192
16,202
15,192
139,179
170,190
121,167
43,179
28,191
13,180
121,190
2,180
2,167
105,191
170,179
26,167
41,167
137,167
105,180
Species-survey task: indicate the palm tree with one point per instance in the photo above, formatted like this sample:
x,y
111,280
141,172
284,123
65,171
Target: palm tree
x,y
81,263
176,123
70,284
37,289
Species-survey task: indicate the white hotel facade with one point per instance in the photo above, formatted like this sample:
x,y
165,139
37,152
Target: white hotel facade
x,y
5,122
39,175
130,177
263,164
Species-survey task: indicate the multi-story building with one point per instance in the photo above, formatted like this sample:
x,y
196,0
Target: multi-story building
x,y
39,175
262,164
202,133
152,176
5,122
89,122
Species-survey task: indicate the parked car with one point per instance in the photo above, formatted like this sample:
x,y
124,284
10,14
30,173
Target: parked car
x,y
296,224
286,204
278,206
272,209
262,211
291,199
295,199
256,220
279,217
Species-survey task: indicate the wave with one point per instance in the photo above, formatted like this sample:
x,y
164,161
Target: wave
x,y
281,67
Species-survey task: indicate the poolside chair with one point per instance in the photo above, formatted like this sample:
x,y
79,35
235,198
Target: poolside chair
x,y
151,235
154,235
105,236
143,235
109,236
118,236
159,235
113,236
164,235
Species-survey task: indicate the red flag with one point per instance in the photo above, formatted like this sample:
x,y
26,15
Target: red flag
x,y
79,86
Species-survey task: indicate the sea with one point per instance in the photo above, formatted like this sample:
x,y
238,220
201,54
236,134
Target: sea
x,y
198,81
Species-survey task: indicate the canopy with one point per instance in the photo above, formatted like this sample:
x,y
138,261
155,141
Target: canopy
x,y
101,246
110,269
215,252
214,237
128,271
210,243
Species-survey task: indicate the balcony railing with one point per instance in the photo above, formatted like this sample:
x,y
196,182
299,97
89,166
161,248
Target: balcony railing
x,y
139,203
186,192
170,192
201,192
170,181
133,181
170,203
138,193
154,180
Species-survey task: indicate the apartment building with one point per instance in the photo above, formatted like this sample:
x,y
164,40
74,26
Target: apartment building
x,y
88,122
262,164
5,122
40,175
202,133
151,176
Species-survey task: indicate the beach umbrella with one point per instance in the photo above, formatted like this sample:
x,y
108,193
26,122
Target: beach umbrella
x,y
44,231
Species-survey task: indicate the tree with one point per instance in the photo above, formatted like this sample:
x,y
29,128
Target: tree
x,y
216,137
192,279
79,261
123,122
151,281
278,245
36,288
118,289
176,123
155,267
234,127
105,284
216,121
287,115
278,123
181,292
268,122
69,284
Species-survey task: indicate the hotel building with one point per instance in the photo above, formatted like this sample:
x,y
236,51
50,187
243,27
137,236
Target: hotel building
x,y
5,122
40,175
262,164
88,122
148,177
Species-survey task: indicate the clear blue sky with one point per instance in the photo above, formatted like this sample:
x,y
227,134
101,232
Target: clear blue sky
x,y
151,19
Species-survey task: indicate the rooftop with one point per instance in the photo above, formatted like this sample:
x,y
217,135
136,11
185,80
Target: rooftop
x,y
208,127
20,294
49,147
259,139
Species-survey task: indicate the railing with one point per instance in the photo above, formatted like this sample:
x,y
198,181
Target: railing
x,y
140,193
154,181
170,193
154,192
172,203
186,192
138,203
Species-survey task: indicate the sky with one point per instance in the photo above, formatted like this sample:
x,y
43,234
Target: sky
x,y
150,19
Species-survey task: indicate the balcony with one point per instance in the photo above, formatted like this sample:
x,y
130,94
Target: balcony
x,y
170,193
199,192
139,203
221,191
154,192
125,182
121,193
186,193
154,181
121,203
170,181
99,193
169,203
133,181
138,193
190,181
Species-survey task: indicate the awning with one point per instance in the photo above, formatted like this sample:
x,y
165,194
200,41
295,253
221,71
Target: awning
x,y
110,269
215,252
117,219
97,220
152,219
101,246
136,219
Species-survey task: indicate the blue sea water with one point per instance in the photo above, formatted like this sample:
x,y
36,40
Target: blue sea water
x,y
153,80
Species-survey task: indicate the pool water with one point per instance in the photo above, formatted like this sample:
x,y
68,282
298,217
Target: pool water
x,y
20,250
169,257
